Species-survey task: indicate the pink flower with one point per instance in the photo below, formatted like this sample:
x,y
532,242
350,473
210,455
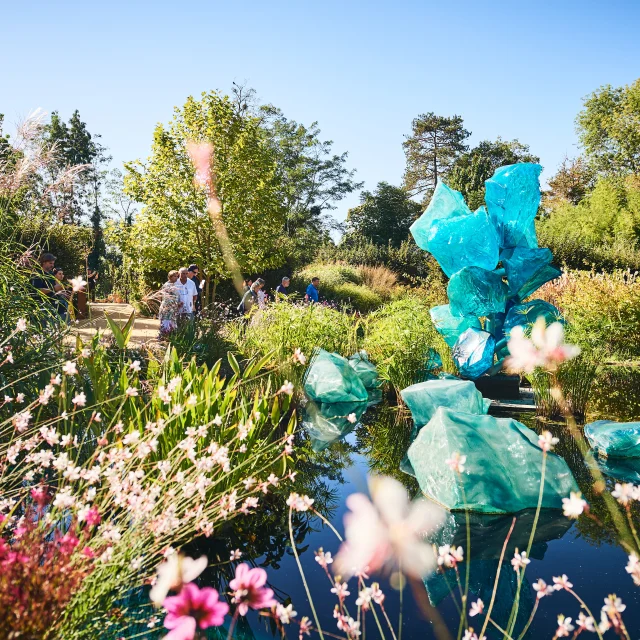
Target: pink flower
x,y
92,517
249,590
190,608
456,462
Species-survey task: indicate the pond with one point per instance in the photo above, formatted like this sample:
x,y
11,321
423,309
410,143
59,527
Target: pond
x,y
589,553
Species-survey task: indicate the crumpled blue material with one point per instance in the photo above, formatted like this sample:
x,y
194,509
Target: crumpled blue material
x,y
365,369
449,326
454,235
526,314
476,292
528,269
473,353
494,448
512,198
614,439
330,378
327,423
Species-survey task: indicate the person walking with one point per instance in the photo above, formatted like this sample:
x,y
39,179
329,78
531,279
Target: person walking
x,y
188,294
170,305
194,276
313,292
250,297
282,290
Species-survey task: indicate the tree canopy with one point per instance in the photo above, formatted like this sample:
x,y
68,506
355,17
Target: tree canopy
x,y
382,217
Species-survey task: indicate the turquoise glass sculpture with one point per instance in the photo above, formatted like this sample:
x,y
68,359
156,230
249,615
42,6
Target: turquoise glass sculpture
x,y
614,439
449,326
527,270
330,378
473,353
476,292
494,447
365,369
327,423
526,314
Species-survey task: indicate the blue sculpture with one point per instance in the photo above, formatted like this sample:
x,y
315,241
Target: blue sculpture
x,y
614,439
469,246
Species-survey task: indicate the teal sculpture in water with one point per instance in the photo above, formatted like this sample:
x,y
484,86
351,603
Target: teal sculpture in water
x,y
493,262
331,378
614,439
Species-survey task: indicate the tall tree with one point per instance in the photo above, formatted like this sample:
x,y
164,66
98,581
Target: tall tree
x,y
383,216
609,129
571,183
471,169
174,226
431,150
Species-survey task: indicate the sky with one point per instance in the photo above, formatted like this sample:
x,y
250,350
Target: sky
x,y
362,70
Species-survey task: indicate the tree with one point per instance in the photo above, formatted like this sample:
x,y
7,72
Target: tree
x,y
431,150
609,129
382,217
174,227
471,169
571,183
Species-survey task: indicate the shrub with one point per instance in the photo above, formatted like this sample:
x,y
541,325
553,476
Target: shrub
x,y
603,309
377,277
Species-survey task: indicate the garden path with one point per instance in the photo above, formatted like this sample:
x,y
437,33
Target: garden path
x,y
144,329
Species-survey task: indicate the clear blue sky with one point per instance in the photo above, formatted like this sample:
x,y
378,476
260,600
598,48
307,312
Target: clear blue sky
x,y
363,70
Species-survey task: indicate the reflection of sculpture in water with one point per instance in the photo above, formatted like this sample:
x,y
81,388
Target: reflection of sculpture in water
x,y
488,534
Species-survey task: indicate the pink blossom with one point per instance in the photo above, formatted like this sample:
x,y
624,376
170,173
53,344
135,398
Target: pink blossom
x,y
546,441
193,607
456,462
477,608
78,283
92,517
249,590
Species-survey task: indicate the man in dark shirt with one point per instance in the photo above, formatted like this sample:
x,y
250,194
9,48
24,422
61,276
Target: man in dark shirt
x,y
192,274
283,288
46,283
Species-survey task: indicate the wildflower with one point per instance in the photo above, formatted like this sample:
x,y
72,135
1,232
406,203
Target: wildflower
x,y
192,400
546,441
469,634
604,624
456,462
217,421
585,623
633,568
20,398
546,347
305,626
561,583
287,388
613,605
21,421
175,571
323,558
80,400
564,627
542,589
273,479
236,555
21,325
285,614
449,556
191,608
574,505
131,392
519,560
249,590
86,353
135,366
624,493
78,283
364,598
387,530
96,417
352,418
376,593
341,590
299,357
70,368
477,608
299,503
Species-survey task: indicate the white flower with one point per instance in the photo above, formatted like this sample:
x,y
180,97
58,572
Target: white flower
x,y
633,568
613,605
285,614
341,590
135,366
449,556
470,635
299,503
70,368
86,353
574,505
287,388
542,588
520,560
21,421
387,530
131,392
624,493
564,627
235,555
299,357
173,572
217,421
546,441
352,418
21,325
323,558
477,607
585,623
562,582
80,400
78,283
456,462
192,400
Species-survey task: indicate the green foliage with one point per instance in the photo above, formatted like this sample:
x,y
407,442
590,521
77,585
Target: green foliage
x,y
572,181
431,151
609,129
174,227
616,393
382,217
471,169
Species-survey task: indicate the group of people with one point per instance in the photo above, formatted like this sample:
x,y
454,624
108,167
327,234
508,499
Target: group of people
x,y
181,298
254,293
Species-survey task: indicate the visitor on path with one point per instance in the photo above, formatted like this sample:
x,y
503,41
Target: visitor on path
x,y
263,297
313,293
45,282
194,276
246,284
188,294
170,305
283,288
92,281
63,302
250,297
